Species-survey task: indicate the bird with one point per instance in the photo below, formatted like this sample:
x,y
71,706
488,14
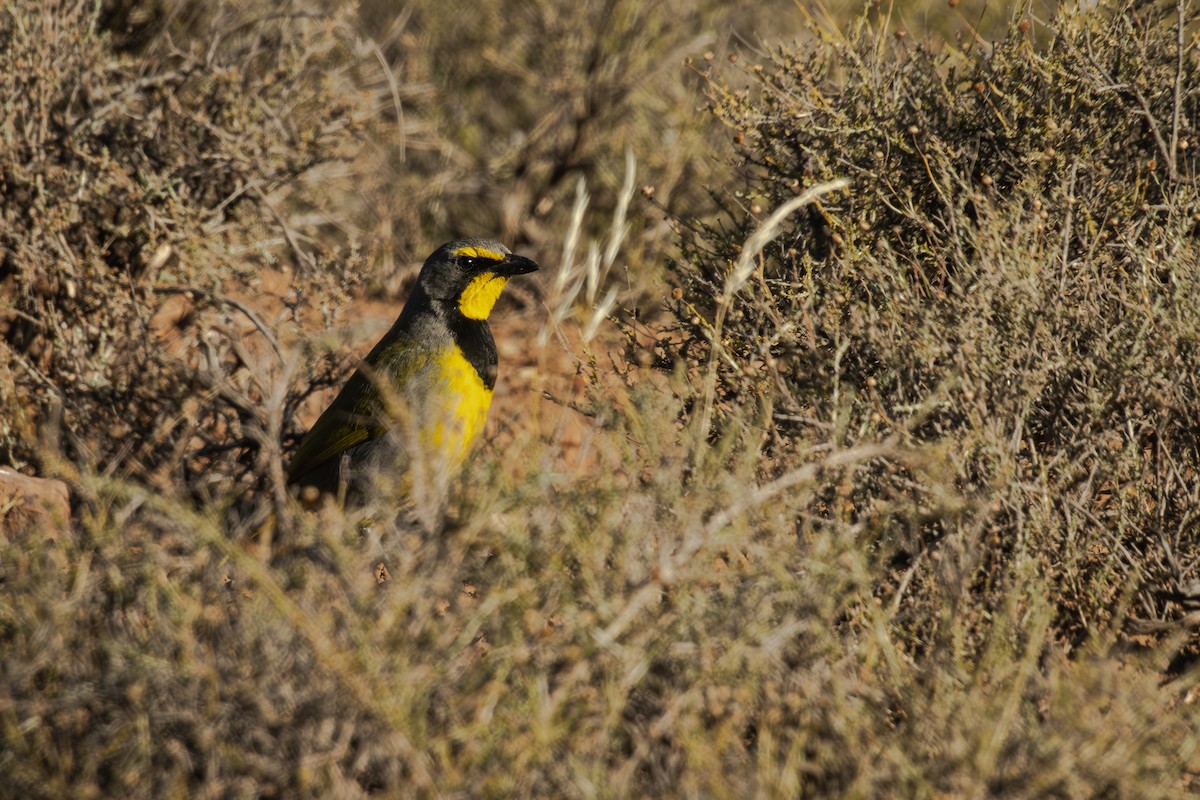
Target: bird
x,y
417,403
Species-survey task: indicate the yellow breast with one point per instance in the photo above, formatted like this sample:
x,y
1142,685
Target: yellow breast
x,y
460,407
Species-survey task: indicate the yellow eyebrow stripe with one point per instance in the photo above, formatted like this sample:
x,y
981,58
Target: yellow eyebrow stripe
x,y
479,252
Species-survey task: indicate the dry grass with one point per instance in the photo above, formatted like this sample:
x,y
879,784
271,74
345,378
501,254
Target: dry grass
x,y
892,505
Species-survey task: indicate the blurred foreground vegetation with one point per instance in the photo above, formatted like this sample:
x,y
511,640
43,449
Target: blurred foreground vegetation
x,y
893,495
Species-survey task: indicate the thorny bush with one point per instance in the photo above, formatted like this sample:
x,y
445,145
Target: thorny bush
x,y
1010,283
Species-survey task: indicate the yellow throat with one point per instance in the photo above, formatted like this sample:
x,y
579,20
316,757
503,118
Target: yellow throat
x,y
480,295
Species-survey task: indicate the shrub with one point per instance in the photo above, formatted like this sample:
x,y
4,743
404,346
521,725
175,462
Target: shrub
x,y
1007,285
503,107
879,530
140,190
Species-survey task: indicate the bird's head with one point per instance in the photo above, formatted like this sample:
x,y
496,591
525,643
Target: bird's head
x,y
469,274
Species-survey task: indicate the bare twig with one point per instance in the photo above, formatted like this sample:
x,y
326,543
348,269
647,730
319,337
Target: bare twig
x,y
1178,98
393,86
222,300
742,270
805,474
304,257
1189,620
753,499
1067,222
1166,151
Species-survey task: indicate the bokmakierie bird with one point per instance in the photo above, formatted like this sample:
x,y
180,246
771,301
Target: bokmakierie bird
x,y
420,398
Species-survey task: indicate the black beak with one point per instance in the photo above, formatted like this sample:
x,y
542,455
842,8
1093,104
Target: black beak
x,y
514,264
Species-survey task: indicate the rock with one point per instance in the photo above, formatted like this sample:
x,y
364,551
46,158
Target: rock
x,y
29,505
